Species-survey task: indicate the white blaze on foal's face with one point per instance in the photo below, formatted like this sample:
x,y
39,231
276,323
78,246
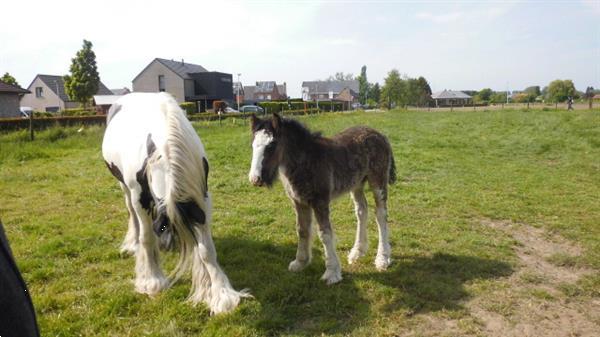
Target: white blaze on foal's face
x,y
261,140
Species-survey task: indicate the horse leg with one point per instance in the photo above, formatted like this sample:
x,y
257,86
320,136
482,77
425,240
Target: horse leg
x,y
333,271
383,259
209,282
149,278
304,230
360,243
130,243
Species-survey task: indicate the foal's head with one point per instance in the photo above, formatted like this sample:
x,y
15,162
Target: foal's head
x,y
266,150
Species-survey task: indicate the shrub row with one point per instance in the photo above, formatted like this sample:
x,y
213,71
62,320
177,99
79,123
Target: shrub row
x,y
189,107
211,116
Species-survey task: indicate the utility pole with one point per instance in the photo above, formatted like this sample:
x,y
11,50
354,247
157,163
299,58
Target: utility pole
x,y
239,86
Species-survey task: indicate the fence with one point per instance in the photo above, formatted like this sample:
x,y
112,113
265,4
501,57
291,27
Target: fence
x,y
11,124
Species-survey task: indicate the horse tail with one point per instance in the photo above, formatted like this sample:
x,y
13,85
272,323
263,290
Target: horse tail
x,y
186,204
392,172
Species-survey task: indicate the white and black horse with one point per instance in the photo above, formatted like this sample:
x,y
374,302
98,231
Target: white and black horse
x,y
316,169
159,160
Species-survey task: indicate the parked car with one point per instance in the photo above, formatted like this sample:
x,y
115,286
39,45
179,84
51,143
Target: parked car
x,y
252,108
228,109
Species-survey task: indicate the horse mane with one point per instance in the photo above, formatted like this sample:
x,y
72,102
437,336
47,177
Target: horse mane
x,y
185,182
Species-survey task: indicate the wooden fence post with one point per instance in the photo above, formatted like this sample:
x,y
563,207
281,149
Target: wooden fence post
x,y
31,137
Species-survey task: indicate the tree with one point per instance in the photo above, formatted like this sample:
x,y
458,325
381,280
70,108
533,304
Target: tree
x,y
424,91
589,92
375,92
363,86
340,76
8,79
83,82
393,89
560,90
532,93
498,97
485,95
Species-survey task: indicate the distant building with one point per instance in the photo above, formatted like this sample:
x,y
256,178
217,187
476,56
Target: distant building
x,y
10,96
104,102
187,82
264,91
47,93
450,98
344,91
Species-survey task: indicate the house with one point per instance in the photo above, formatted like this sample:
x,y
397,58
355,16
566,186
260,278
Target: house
x,y
120,92
10,97
104,102
344,91
187,82
265,91
47,93
451,98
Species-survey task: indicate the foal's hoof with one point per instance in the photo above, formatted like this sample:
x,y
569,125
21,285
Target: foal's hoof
x,y
151,286
382,262
354,255
332,276
296,265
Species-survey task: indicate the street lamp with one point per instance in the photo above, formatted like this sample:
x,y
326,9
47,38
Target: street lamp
x,y
238,91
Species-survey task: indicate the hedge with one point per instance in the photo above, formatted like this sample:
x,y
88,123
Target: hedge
x,y
189,107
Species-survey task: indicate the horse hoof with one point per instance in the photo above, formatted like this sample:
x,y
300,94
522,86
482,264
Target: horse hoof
x,y
354,255
332,276
296,266
151,286
382,262
128,249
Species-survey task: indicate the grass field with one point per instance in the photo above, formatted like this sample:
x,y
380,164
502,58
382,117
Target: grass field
x,y
495,230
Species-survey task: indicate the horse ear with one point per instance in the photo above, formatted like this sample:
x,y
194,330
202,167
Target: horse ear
x,y
253,121
276,121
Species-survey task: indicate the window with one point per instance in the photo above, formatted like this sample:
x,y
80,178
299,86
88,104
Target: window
x,y
39,92
161,82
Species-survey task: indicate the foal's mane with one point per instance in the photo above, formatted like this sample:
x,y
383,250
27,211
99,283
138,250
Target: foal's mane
x,y
299,131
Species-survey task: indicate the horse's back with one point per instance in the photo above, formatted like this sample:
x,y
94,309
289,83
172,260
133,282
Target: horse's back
x,y
138,121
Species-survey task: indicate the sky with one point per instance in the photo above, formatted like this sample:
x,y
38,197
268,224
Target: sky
x,y
457,45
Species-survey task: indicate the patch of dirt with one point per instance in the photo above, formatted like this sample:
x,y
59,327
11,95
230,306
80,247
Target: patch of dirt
x,y
529,302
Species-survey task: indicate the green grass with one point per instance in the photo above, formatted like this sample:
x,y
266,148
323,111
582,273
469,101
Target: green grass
x,y
65,217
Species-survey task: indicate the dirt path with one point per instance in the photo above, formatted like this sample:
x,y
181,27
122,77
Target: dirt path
x,y
530,302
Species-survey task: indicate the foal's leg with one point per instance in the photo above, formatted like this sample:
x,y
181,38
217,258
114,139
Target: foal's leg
x,y
130,243
383,259
333,272
149,278
360,208
304,230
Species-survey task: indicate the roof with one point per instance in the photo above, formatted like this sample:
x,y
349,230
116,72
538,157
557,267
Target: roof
x,y
324,87
265,86
596,96
5,87
181,68
57,85
106,99
121,91
449,94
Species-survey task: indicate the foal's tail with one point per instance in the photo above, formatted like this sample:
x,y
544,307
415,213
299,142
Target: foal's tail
x,y
186,204
392,172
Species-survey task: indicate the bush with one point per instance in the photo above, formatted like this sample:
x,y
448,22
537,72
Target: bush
x,y
77,112
189,107
42,114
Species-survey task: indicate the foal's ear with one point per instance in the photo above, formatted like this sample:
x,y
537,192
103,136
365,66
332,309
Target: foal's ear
x,y
253,121
276,121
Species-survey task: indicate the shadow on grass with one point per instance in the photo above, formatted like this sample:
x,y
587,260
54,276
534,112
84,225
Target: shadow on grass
x,y
300,303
